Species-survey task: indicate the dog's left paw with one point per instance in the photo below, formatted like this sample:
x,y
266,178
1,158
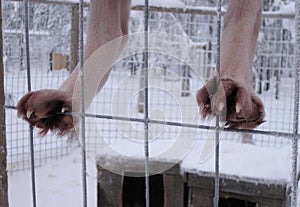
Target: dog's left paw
x,y
238,106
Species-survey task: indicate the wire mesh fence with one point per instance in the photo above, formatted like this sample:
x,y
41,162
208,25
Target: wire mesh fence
x,y
172,82
49,52
50,36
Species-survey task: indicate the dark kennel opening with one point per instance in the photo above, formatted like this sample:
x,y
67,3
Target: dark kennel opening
x,y
134,191
232,202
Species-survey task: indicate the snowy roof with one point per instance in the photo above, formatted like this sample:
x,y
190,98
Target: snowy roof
x,y
243,160
237,160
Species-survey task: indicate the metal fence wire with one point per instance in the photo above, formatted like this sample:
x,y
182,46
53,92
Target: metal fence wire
x,y
53,29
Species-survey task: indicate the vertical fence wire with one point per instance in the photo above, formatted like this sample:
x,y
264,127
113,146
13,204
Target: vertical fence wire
x,y
296,107
146,106
27,54
82,105
217,132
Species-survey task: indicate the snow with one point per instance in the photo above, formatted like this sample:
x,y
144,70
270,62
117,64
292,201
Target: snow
x,y
237,159
242,160
31,32
289,23
57,183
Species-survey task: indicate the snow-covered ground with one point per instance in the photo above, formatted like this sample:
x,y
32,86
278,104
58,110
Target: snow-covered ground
x,y
58,183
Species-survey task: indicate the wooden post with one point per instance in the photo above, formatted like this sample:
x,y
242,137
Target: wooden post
x,y
3,152
74,37
109,188
173,187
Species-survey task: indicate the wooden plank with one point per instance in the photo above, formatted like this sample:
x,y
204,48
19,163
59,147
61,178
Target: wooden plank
x,y
200,198
203,197
288,199
241,187
270,203
173,190
261,201
3,149
109,187
59,61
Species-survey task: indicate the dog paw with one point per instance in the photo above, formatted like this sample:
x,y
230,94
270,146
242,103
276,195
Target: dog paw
x,y
236,104
45,110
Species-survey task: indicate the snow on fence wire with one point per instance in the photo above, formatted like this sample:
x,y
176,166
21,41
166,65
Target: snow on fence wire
x,y
53,29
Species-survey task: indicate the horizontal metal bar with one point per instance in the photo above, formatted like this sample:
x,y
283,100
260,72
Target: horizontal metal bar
x,y
262,132
10,107
178,124
187,125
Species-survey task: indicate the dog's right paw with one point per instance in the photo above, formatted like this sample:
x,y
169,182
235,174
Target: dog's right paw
x,y
45,110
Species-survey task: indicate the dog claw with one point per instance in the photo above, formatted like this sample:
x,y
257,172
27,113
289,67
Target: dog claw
x,y
221,106
29,113
238,108
64,109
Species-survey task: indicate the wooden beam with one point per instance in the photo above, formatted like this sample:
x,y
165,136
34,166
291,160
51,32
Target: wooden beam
x,y
239,186
264,192
109,188
3,150
173,190
74,37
